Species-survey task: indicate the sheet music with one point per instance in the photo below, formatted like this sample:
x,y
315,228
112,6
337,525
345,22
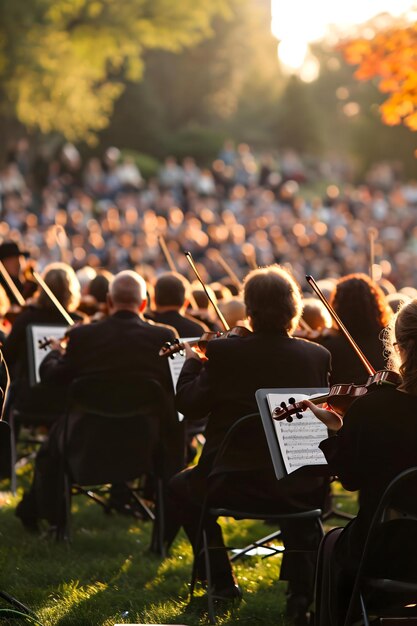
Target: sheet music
x,y
298,440
39,333
175,367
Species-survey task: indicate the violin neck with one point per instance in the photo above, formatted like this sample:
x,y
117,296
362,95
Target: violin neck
x,y
319,399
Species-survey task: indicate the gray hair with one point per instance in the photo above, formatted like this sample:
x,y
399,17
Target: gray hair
x,y
128,287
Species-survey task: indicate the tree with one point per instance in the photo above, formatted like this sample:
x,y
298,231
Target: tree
x,y
63,63
390,56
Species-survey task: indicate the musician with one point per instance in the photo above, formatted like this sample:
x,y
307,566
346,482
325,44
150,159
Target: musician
x,y
224,386
123,342
171,301
12,258
361,306
61,279
376,440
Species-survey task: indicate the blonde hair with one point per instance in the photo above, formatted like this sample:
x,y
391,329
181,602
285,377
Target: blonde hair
x,y
402,332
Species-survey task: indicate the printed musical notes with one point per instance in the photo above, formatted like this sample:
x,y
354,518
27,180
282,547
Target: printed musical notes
x,y
298,440
175,367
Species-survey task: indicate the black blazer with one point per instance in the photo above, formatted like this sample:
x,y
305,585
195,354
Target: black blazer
x,y
184,326
120,343
225,385
346,366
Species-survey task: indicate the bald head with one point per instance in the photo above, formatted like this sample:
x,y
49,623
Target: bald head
x,y
127,291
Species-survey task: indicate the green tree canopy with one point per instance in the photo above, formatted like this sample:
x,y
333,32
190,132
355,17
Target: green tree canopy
x,y
63,63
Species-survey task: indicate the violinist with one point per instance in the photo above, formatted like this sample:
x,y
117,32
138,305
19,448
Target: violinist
x,y
61,279
121,343
376,440
224,387
171,297
11,256
361,306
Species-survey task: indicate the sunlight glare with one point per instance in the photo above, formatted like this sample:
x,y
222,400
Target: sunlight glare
x,y
299,23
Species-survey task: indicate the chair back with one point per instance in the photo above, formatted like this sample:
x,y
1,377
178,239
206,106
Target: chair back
x,y
389,559
113,428
244,447
391,546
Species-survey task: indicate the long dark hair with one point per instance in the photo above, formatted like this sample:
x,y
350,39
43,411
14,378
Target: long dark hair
x,y
361,305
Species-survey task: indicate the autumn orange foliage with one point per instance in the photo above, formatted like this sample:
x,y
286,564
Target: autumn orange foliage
x,y
391,57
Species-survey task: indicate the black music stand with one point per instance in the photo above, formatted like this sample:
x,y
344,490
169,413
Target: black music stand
x,y
274,448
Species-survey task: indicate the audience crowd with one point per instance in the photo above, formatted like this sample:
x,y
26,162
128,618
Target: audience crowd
x,y
102,213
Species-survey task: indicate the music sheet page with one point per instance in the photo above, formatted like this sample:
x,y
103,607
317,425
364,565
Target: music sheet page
x,y
175,367
298,440
40,333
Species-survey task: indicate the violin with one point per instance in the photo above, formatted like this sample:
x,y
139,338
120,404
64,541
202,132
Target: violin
x,y
44,343
200,345
340,396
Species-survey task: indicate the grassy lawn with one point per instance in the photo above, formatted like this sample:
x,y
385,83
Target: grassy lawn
x,y
107,576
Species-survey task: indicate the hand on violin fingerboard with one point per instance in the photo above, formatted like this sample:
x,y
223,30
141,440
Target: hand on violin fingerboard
x,y
330,418
193,352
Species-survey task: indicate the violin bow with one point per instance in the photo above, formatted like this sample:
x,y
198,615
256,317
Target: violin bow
x,y
166,253
342,327
220,315
225,265
38,278
248,251
16,293
171,264
372,234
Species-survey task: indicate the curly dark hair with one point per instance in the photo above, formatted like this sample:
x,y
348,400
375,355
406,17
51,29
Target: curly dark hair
x,y
405,329
361,305
272,299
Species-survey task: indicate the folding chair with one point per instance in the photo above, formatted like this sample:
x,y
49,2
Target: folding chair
x,y
112,435
239,431
33,420
383,587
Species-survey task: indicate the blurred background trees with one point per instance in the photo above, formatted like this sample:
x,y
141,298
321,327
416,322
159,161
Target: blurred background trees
x,y
161,77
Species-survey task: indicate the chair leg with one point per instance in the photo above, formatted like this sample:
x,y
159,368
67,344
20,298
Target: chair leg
x,y
258,544
13,454
158,532
210,601
16,604
144,507
63,532
364,611
198,548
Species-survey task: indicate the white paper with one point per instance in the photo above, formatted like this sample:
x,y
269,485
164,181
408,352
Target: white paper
x,y
298,440
175,367
40,333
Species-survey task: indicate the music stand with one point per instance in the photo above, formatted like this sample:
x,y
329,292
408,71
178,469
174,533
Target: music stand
x,y
35,334
275,450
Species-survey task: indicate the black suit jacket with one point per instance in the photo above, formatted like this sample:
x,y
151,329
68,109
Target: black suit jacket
x,y
346,366
225,385
184,326
120,343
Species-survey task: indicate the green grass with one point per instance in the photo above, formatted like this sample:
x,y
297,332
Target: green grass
x,y
107,576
